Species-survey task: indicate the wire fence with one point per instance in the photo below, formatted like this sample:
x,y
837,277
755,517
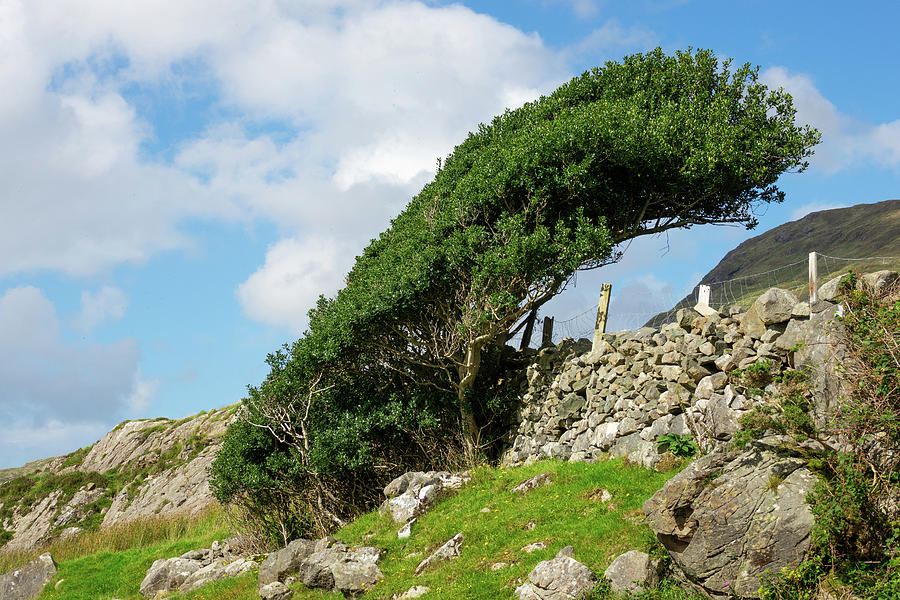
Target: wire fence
x,y
661,307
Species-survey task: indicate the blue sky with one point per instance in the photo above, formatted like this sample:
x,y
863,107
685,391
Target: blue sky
x,y
182,178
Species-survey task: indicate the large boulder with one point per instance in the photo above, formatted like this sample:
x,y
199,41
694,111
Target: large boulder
x,y
562,578
878,281
728,518
413,493
350,571
772,307
27,582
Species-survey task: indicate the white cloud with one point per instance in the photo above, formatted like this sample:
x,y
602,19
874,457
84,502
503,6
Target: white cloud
x,y
846,142
369,95
106,304
295,273
48,380
612,37
584,9
21,441
142,393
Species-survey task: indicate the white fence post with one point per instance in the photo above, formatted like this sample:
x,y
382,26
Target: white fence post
x,y
703,295
602,313
813,278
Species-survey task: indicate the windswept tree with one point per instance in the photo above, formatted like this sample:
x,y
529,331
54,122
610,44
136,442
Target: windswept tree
x,y
635,148
654,143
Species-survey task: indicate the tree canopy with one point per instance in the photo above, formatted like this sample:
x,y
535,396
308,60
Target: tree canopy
x,y
633,148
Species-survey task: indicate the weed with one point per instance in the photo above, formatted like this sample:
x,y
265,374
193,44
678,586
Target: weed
x,y
679,445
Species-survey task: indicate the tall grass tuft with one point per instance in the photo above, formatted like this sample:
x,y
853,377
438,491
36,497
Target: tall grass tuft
x,y
210,523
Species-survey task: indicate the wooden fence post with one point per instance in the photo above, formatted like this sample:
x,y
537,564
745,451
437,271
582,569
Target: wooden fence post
x,y
813,278
529,329
547,333
602,313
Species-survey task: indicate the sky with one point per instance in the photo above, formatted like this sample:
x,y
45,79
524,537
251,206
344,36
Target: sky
x,y
181,179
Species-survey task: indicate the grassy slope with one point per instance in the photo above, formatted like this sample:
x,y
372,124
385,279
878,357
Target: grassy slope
x,y
564,512
112,562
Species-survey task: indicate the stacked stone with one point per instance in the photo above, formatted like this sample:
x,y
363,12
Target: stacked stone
x,y
639,385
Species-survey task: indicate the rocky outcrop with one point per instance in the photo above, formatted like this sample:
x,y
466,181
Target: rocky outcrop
x,y
413,493
562,578
194,569
728,518
325,564
169,462
278,564
26,583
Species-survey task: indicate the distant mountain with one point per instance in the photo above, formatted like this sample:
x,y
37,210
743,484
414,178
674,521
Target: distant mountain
x,y
779,257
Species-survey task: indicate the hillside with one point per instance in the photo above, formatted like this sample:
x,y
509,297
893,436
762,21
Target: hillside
x,y
140,469
505,535
767,260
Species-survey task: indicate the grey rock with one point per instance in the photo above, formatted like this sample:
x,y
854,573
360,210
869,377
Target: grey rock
x,y
632,573
356,572
562,578
166,575
284,561
605,435
685,316
448,551
239,567
709,384
413,493
721,420
773,306
570,405
819,347
26,583
405,531
533,482
203,576
801,310
724,525
829,289
275,591
534,547
415,591
878,281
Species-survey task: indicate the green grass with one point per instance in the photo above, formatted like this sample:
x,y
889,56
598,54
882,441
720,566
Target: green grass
x,y
158,532
564,512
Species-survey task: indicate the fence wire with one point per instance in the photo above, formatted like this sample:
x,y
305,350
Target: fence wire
x,y
738,291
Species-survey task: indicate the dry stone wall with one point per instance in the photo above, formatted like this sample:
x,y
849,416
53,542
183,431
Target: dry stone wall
x,y
639,385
